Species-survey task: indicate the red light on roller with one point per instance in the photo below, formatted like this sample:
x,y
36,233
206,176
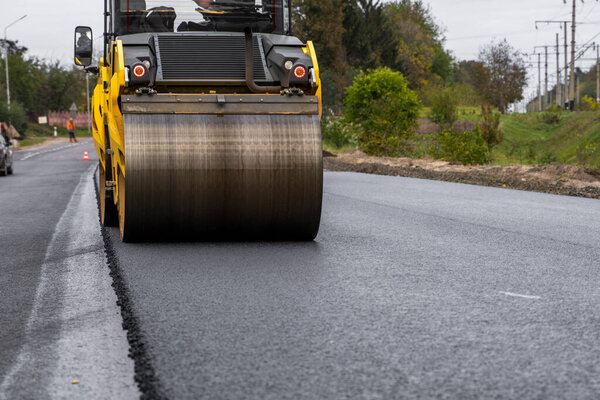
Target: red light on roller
x,y
299,72
139,71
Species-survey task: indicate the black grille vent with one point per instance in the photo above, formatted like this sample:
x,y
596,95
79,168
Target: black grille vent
x,y
207,57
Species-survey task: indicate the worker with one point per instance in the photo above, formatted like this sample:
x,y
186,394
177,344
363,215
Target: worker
x,y
188,19
71,129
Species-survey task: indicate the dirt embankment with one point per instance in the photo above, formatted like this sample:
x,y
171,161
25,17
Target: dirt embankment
x,y
553,178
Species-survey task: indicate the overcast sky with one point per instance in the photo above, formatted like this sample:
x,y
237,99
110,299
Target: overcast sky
x,y
469,24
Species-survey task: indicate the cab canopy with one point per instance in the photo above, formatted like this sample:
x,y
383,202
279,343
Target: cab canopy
x,y
137,16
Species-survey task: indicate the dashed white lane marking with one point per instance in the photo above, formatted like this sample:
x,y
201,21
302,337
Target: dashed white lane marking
x,y
50,150
524,296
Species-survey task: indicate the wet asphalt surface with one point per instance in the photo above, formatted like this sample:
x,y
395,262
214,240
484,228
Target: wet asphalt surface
x,y
413,289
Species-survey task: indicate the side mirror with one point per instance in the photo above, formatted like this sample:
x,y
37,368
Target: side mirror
x,y
83,46
9,143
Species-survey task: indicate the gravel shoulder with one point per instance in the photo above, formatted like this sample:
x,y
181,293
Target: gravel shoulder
x,y
552,178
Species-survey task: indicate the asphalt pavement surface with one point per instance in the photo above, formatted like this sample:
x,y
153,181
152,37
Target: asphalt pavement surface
x,y
61,335
413,289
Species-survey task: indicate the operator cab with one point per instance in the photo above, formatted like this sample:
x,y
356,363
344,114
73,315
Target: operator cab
x,y
135,16
178,45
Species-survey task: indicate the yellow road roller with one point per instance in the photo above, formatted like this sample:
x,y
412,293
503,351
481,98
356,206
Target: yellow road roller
x,y
206,119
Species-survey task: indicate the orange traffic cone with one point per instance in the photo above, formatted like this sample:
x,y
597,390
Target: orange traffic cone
x,y
85,156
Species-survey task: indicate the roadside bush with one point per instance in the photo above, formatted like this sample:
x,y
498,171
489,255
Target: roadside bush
x,y
443,109
590,103
337,133
490,129
550,117
385,110
554,108
468,148
463,94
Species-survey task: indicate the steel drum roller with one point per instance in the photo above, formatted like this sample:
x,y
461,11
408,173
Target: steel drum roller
x,y
222,176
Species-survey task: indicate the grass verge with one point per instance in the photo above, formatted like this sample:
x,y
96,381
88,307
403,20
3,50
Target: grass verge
x,y
30,142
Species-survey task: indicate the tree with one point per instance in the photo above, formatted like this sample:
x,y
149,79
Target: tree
x,y
500,75
13,47
420,54
16,115
444,110
491,129
369,39
322,22
37,87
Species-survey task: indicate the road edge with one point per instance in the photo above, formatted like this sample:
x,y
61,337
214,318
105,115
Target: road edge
x,y
474,178
145,376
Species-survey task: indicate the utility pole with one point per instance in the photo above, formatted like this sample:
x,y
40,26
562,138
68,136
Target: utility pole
x,y
6,55
558,96
539,90
546,102
598,74
573,31
6,68
87,96
568,92
565,95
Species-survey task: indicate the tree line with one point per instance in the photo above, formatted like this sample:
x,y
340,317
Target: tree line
x,y
37,86
350,35
358,35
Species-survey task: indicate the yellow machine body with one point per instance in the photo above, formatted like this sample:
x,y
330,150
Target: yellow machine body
x,y
207,163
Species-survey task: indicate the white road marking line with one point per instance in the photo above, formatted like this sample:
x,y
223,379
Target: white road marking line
x,y
524,296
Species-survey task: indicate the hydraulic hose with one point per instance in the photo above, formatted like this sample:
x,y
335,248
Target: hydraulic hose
x,y
250,69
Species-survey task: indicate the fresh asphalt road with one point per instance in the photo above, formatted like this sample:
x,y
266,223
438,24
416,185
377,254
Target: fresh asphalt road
x,y
413,289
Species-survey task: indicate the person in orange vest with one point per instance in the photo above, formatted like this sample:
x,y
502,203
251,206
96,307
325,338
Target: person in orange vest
x,y
71,129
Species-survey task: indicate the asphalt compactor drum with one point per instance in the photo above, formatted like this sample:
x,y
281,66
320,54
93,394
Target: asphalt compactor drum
x,y
211,133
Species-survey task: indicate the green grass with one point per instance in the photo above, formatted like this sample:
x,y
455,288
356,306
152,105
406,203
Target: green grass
x,y
30,142
528,139
463,113
48,131
470,114
336,150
